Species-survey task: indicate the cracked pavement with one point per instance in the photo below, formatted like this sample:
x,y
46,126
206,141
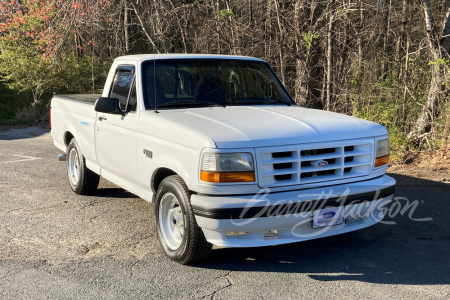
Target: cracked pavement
x,y
55,244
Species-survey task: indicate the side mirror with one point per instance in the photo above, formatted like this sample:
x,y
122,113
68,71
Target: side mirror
x,y
108,105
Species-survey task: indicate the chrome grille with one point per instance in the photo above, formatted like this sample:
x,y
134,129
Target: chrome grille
x,y
315,162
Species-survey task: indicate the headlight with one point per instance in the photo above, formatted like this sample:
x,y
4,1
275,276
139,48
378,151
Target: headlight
x,y
227,167
382,153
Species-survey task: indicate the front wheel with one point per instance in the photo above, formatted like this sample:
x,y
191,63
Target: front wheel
x,y
180,237
82,180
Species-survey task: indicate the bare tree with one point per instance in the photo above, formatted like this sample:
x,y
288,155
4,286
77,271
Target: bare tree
x,y
127,26
424,122
329,78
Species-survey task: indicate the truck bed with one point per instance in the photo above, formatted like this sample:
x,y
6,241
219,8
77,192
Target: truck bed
x,y
75,114
79,97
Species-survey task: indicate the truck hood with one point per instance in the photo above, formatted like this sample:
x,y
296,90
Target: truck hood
x,y
259,126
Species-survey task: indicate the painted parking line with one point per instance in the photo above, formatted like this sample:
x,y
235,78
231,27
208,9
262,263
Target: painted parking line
x,y
24,158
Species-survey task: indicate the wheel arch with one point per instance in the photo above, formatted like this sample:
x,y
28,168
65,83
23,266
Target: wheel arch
x,y
159,175
68,136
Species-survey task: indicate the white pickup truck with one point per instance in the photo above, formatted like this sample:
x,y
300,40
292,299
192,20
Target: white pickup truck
x,y
225,154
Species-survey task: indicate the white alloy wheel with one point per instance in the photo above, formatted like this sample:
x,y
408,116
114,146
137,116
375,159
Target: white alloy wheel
x,y
178,233
171,221
82,180
74,166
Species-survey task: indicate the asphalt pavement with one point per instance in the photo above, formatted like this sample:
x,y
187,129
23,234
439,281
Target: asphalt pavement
x,y
55,244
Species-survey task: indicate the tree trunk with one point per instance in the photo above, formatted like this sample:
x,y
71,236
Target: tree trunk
x,y
445,40
78,45
217,18
387,28
144,30
359,41
180,27
235,50
268,31
403,49
400,49
427,116
445,134
127,27
307,73
281,41
329,56
300,88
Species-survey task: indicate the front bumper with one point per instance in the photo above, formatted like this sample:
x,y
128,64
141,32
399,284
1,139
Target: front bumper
x,y
286,217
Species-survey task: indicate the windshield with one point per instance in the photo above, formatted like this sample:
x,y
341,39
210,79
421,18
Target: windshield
x,y
211,82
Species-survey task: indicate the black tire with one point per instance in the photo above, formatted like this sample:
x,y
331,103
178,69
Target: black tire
x,y
191,245
82,180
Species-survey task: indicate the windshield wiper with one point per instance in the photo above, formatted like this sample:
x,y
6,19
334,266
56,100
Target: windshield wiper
x,y
189,103
261,100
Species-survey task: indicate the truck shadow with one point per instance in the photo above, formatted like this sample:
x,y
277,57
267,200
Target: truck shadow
x,y
111,192
410,247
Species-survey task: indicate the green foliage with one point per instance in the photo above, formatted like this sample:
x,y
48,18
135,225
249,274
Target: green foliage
x,y
33,64
387,110
439,62
227,13
37,79
33,114
400,144
389,82
310,38
386,114
7,102
23,72
82,75
6,111
50,47
11,122
383,112
442,126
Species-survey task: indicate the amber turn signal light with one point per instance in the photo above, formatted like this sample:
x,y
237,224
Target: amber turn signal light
x,y
381,161
226,177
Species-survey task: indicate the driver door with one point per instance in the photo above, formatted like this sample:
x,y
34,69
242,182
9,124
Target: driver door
x,y
117,134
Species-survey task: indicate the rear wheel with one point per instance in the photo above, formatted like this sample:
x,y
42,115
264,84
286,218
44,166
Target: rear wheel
x,y
180,237
82,180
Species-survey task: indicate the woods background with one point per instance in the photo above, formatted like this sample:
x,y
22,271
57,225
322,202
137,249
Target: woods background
x,y
382,60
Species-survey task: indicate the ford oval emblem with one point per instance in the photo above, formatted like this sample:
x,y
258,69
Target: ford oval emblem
x,y
329,214
322,163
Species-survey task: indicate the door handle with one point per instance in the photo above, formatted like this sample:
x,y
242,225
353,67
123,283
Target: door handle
x,y
102,118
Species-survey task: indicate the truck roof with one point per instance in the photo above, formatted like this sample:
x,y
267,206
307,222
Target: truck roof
x,y
144,57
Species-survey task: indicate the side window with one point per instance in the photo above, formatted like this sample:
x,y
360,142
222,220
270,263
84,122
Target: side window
x,y
122,84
